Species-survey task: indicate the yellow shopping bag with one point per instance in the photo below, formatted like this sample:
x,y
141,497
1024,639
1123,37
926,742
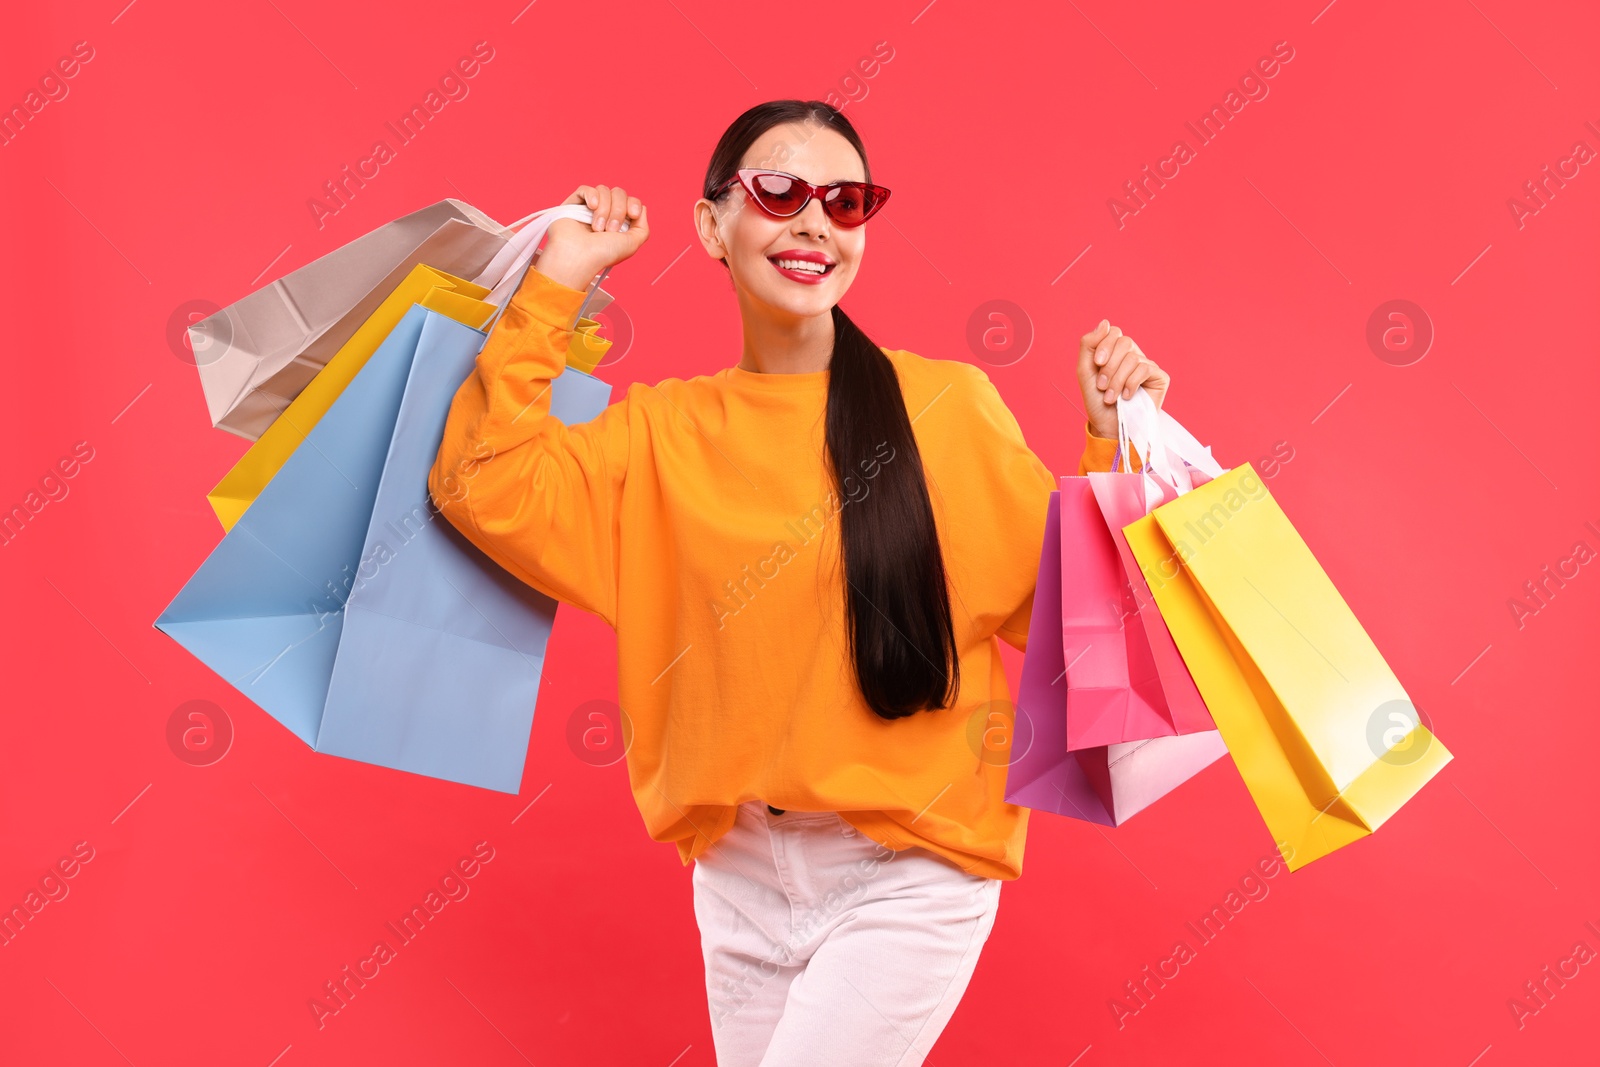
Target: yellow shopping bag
x,y
455,297
588,348
1320,728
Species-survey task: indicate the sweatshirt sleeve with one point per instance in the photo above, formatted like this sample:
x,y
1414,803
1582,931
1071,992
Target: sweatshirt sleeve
x,y
540,498
1097,451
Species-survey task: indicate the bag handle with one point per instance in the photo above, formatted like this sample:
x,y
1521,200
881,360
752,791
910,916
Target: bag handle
x,y
506,270
1169,450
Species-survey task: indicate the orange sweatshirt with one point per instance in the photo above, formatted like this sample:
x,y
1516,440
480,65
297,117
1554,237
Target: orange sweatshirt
x,y
696,518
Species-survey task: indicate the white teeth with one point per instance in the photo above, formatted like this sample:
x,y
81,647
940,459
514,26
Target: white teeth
x,y
801,264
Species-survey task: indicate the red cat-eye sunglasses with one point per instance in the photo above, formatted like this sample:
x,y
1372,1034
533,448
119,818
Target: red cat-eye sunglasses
x,y
783,195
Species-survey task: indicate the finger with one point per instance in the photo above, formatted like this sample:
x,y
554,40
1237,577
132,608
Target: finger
x,y
641,227
1116,363
618,210
1102,351
1140,373
585,196
635,206
1157,382
1118,347
1118,367
602,195
1087,342
1127,362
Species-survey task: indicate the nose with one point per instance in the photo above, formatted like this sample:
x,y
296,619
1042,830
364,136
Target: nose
x,y
811,220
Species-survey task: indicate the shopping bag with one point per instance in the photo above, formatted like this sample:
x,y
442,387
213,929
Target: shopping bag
x,y
343,607
588,347
1105,785
426,285
1115,691
267,609
432,288
1299,692
1128,681
257,354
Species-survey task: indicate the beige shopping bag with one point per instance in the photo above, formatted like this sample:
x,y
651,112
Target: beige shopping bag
x,y
258,353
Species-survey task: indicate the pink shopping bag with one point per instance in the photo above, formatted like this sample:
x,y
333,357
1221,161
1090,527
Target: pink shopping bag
x,y
1104,785
1127,681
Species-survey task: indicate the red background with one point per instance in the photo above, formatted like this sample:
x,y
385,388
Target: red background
x,y
220,898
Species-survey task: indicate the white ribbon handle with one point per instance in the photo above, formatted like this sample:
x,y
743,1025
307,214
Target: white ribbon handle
x,y
1167,449
1136,428
505,271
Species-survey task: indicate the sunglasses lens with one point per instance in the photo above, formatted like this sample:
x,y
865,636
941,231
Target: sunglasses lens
x,y
849,205
778,194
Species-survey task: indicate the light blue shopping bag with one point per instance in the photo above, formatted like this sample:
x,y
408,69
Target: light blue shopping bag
x,y
354,614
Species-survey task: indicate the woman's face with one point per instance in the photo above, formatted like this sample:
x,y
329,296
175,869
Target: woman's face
x,y
753,241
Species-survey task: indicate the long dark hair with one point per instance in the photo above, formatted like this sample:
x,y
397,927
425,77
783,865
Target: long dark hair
x,y
897,604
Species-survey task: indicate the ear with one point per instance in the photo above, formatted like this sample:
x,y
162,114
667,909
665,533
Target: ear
x,y
705,225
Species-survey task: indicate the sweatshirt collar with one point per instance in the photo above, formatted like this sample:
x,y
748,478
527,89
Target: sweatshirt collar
x,y
808,380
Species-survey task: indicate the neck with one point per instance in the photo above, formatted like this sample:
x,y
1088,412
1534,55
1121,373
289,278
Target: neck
x,y
777,342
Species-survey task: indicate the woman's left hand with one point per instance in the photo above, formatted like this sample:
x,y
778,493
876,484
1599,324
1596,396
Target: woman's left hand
x,y
1110,365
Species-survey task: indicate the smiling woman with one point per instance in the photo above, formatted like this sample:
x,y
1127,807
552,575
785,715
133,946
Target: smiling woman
x,y
829,724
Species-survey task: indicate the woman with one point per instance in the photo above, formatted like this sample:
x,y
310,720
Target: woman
x,y
807,558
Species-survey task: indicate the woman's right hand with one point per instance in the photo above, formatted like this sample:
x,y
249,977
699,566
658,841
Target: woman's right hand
x,y
574,252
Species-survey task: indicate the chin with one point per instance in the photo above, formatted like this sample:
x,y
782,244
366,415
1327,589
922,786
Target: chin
x,y
817,302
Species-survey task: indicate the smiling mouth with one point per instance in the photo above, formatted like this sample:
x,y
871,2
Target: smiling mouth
x,y
802,266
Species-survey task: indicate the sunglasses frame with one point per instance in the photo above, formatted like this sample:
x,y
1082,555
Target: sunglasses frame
x,y
746,175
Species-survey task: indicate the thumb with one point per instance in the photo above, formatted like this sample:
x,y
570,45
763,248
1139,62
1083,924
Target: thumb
x,y
639,228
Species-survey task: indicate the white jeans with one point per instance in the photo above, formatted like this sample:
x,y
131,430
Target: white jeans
x,y
822,946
